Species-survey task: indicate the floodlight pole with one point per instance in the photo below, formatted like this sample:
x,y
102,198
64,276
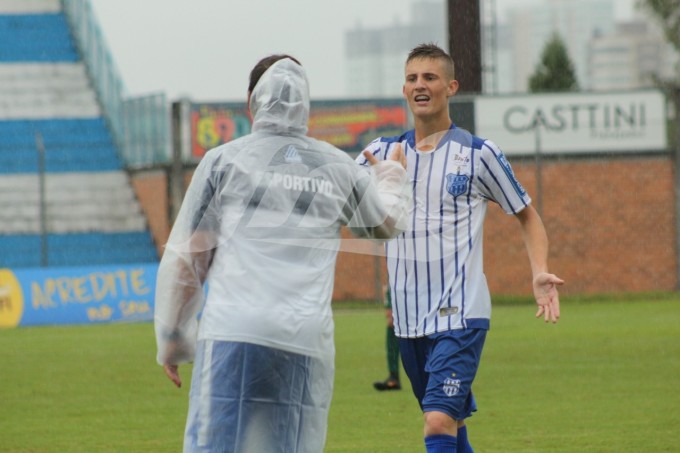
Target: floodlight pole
x,y
175,175
40,147
465,43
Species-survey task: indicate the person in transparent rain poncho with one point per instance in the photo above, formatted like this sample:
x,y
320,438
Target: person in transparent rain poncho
x,y
260,225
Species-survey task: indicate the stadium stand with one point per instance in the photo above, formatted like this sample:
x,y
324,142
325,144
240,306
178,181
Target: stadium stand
x,y
65,197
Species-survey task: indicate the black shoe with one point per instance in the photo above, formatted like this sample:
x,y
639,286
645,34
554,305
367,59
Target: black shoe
x,y
388,384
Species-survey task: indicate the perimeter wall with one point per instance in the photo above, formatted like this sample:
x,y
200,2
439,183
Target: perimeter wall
x,y
610,221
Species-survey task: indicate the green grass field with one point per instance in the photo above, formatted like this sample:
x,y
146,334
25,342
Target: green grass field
x,y
605,379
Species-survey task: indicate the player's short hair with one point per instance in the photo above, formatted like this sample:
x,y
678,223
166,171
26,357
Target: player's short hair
x,y
262,66
434,52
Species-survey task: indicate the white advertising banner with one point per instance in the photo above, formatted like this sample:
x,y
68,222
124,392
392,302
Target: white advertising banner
x,y
565,123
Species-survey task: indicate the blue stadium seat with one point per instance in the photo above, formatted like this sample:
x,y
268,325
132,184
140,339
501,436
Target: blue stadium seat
x,y
71,145
78,249
21,250
36,38
88,249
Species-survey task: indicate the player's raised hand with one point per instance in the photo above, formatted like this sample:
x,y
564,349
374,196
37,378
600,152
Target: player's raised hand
x,y
547,297
397,156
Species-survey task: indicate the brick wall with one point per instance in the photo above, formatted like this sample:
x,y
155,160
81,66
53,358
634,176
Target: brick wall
x,y
152,191
610,221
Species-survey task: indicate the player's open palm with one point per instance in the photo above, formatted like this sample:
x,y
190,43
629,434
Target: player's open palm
x,y
547,297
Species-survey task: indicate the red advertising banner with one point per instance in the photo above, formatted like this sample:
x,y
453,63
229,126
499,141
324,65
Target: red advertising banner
x,y
349,125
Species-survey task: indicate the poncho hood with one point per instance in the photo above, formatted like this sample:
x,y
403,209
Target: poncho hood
x,y
279,102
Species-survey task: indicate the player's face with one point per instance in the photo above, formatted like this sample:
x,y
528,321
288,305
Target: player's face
x,y
427,88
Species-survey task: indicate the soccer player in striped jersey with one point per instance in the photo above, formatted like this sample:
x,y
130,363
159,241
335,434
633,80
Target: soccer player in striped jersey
x,y
440,298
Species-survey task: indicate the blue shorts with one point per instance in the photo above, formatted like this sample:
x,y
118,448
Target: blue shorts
x,y
247,397
441,368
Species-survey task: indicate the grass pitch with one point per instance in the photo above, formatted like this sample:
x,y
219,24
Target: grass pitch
x,y
605,379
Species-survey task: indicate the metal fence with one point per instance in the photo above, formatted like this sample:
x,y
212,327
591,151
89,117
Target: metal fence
x,y
146,129
140,126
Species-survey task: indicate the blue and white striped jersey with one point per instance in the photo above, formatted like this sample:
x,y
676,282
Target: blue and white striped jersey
x,y
436,268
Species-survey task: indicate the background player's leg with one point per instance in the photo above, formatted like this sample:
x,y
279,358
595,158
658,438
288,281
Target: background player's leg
x,y
393,355
392,349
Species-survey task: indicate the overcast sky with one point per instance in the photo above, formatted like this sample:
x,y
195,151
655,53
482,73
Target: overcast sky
x,y
204,49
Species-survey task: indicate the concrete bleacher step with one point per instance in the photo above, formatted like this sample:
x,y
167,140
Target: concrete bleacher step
x,y
47,95
109,212
58,110
96,224
79,197
75,202
46,90
20,77
39,99
25,211
29,6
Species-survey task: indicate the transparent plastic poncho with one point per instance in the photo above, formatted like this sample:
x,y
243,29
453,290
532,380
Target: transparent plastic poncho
x,y
260,224
259,227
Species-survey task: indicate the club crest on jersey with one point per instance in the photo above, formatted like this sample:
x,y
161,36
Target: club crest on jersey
x,y
457,184
451,386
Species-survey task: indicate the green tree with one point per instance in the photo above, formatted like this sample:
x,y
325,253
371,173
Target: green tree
x,y
555,72
667,13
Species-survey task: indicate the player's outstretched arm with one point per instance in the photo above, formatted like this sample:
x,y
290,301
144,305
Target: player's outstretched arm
x,y
544,283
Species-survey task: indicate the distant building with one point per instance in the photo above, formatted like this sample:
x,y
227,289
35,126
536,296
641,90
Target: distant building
x,y
375,56
500,60
576,22
630,56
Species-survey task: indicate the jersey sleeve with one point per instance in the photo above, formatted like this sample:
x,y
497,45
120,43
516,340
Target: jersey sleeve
x,y
498,182
378,147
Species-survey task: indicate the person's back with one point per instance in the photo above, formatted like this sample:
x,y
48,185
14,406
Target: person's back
x,y
280,199
260,224
283,201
